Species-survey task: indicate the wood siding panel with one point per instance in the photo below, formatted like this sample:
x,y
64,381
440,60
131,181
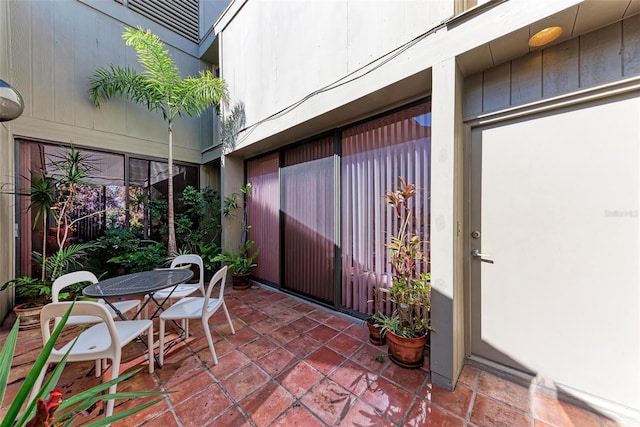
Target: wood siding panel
x,y
473,95
497,85
526,81
561,67
84,49
631,47
42,60
63,68
112,115
20,63
600,56
596,58
55,47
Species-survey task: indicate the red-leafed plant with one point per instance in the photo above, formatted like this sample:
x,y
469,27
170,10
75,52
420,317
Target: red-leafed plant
x,y
411,287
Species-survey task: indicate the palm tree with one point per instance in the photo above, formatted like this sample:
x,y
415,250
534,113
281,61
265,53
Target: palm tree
x,y
158,87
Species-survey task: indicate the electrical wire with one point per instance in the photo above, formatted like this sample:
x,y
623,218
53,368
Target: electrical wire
x,y
348,78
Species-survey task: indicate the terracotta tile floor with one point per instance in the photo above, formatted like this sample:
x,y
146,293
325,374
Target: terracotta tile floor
x,y
291,363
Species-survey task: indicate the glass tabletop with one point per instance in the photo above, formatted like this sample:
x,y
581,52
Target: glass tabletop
x,y
142,283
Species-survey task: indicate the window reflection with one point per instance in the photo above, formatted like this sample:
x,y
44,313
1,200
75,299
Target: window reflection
x,y
107,200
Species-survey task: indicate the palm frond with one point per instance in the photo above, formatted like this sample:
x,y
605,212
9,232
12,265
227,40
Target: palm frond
x,y
195,94
160,70
122,81
66,257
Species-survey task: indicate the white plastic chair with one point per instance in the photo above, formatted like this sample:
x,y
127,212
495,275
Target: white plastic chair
x,y
198,308
180,291
86,276
103,340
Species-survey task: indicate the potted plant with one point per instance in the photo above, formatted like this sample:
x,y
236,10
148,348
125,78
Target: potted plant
x,y
241,261
52,196
376,337
406,328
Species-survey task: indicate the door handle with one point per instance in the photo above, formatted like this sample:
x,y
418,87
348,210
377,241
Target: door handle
x,y
483,257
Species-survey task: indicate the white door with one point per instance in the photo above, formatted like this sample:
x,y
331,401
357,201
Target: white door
x,y
555,280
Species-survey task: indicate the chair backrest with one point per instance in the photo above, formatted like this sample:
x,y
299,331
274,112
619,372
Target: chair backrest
x,y
70,279
221,277
56,310
191,259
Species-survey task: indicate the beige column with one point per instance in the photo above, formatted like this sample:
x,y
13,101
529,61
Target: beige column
x,y
447,312
232,178
7,200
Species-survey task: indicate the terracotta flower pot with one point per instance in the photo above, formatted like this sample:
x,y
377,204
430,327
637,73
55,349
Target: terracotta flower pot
x,y
375,335
240,282
406,352
29,316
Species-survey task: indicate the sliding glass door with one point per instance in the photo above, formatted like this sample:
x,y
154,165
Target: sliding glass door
x,y
263,215
325,198
308,189
374,155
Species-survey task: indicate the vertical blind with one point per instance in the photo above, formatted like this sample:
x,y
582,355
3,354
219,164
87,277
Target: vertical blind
x,y
296,208
263,213
374,155
308,211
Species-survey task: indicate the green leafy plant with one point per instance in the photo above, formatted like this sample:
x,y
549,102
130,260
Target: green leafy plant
x,y
241,261
208,252
200,223
57,195
159,88
54,411
380,357
411,284
113,243
144,258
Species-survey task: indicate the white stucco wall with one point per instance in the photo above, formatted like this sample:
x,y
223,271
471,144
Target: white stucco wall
x,y
275,53
289,50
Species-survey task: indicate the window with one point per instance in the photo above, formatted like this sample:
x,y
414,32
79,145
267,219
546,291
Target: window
x,y
310,229
108,200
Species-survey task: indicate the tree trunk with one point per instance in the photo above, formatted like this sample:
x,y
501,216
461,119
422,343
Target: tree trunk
x,y
172,248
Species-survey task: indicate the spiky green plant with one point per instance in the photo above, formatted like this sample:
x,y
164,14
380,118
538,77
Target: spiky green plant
x,y
54,412
159,87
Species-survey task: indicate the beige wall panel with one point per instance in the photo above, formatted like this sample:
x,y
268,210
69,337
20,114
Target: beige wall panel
x,y
6,173
560,64
109,50
634,7
506,48
84,51
600,58
631,49
595,11
56,47
20,38
7,214
526,83
63,68
42,84
496,87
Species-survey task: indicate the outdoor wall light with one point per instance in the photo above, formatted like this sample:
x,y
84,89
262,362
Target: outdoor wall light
x,y
11,104
545,36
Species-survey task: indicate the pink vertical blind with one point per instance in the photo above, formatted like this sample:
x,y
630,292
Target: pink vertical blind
x,y
308,208
374,155
263,211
